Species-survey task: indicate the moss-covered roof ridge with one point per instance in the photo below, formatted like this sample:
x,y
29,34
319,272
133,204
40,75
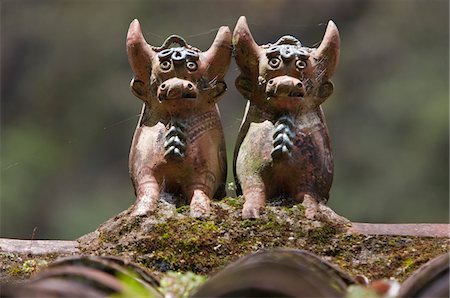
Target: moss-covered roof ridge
x,y
170,239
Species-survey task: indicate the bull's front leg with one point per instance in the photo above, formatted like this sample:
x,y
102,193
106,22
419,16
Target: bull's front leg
x,y
146,152
147,194
200,192
310,203
253,157
254,191
200,205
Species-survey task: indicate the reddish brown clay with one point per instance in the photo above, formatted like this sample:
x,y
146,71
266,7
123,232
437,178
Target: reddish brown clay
x,y
283,149
178,147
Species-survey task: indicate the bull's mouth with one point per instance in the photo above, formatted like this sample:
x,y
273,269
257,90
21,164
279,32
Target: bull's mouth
x,y
291,95
186,95
285,87
176,89
296,94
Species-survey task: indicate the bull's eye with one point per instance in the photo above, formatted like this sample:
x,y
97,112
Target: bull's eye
x,y
300,64
191,66
165,65
274,62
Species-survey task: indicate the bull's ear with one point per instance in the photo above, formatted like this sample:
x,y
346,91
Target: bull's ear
x,y
218,56
246,50
140,55
326,56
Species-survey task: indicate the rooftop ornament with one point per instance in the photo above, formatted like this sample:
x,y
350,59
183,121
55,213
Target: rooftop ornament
x,y
283,148
178,147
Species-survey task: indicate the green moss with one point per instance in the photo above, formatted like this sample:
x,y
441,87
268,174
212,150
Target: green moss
x,y
33,265
22,266
131,287
300,209
408,263
15,270
178,242
204,227
183,285
322,234
101,238
183,209
246,223
233,202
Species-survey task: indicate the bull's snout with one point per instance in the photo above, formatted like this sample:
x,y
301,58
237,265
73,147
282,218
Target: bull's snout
x,y
176,88
285,86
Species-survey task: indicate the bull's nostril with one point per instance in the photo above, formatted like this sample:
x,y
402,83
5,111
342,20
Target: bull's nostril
x,y
163,86
270,82
190,86
299,85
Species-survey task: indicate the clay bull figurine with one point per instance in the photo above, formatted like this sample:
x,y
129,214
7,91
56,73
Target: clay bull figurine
x,y
283,148
178,146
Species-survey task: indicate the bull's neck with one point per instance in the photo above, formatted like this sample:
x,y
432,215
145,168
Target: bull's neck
x,y
309,119
153,115
300,117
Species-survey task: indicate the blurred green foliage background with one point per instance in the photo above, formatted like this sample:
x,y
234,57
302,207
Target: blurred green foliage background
x,y
67,115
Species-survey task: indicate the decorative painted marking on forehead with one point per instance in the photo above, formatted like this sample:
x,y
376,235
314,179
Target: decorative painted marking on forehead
x,y
177,54
288,47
